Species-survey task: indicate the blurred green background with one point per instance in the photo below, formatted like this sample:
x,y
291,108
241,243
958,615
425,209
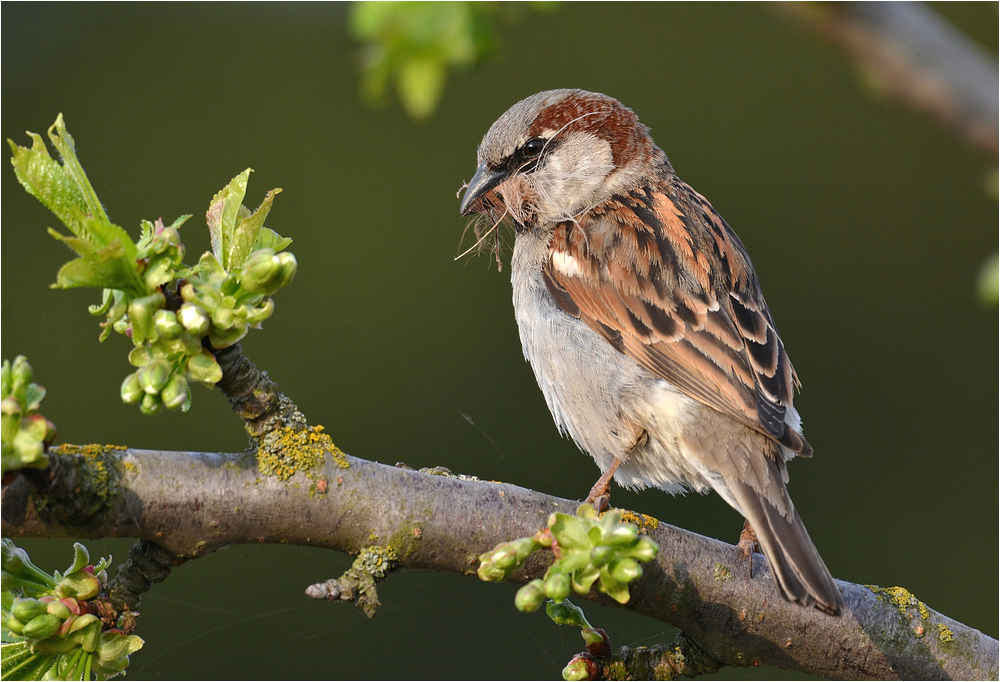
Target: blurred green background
x,y
867,225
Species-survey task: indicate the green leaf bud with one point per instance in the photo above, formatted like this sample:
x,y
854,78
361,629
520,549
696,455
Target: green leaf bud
x,y
505,557
566,613
6,380
579,669
14,625
644,549
587,511
194,318
171,236
601,555
139,357
570,531
154,376
613,588
167,326
529,597
204,368
488,569
625,570
11,406
118,311
17,563
140,312
58,609
621,535
525,547
230,284
80,585
223,338
35,425
151,404
597,641
574,560
132,389
83,621
21,372
254,316
222,318
28,447
261,271
26,608
289,266
72,604
159,270
584,579
42,626
175,393
556,586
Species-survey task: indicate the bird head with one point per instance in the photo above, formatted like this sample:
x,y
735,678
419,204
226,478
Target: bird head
x,y
556,154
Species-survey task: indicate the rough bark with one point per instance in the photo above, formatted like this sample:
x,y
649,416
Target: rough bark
x,y
194,503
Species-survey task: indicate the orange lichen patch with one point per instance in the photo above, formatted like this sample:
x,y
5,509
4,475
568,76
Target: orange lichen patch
x,y
286,451
642,521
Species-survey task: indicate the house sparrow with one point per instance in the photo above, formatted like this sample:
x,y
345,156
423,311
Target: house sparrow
x,y
641,315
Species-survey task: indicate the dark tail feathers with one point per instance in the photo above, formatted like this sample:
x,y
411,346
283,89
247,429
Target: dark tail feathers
x,y
798,569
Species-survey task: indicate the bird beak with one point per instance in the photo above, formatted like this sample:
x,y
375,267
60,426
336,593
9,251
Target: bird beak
x,y
482,182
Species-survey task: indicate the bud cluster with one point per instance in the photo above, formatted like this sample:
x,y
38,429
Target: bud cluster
x,y
25,433
172,312
588,548
52,622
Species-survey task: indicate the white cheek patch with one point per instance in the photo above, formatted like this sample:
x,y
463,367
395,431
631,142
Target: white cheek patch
x,y
566,264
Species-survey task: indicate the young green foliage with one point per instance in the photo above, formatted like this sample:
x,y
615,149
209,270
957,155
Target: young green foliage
x,y
415,43
588,549
175,314
24,432
46,625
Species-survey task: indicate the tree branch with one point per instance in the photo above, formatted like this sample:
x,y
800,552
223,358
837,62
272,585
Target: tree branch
x,y
194,503
912,55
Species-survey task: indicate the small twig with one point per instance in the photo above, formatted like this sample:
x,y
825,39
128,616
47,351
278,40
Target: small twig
x,y
358,582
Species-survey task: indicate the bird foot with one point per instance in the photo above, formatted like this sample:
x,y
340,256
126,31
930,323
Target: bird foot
x,y
748,544
601,501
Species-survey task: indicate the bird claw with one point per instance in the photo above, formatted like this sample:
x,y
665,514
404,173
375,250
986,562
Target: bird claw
x,y
600,501
748,544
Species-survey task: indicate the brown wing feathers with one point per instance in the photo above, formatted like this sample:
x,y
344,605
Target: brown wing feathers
x,y
712,339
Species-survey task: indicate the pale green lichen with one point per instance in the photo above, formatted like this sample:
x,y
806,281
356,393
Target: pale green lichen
x,y
721,573
95,459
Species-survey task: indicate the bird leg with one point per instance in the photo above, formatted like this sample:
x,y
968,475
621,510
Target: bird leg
x,y
600,494
748,544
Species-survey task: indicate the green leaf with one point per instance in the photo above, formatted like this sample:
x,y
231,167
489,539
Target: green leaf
x,y
65,190
248,231
43,178
81,557
614,589
572,532
420,81
63,141
223,213
269,239
108,268
566,613
20,663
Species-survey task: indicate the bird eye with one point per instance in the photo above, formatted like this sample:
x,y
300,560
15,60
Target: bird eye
x,y
534,146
